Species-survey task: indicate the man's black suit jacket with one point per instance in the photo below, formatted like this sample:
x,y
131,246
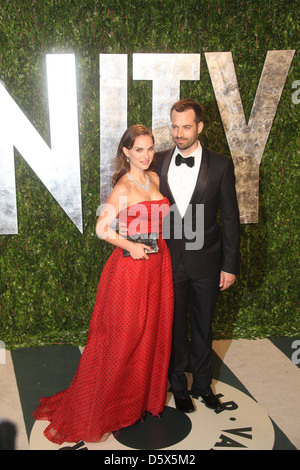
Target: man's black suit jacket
x,y
215,189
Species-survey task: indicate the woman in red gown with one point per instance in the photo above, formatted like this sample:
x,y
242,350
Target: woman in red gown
x,y
122,372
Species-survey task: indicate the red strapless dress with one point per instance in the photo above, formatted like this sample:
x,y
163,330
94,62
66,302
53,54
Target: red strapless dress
x,y
123,370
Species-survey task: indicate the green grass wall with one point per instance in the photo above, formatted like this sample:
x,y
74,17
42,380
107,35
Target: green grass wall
x,y
50,271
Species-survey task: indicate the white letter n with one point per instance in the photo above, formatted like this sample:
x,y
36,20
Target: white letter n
x,y
59,167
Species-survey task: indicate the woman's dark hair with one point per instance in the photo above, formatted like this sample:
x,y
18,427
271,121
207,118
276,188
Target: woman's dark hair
x,y
127,140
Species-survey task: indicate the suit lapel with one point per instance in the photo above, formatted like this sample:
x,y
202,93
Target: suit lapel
x,y
202,177
164,185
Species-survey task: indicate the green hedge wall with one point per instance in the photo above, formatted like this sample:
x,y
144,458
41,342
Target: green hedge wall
x,y
49,271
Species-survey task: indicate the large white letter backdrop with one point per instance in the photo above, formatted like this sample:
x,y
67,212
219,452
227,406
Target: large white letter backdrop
x,y
58,167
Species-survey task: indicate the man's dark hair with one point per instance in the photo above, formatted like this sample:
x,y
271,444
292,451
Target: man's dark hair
x,y
185,104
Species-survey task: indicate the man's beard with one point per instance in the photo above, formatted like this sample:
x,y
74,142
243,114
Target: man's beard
x,y
186,144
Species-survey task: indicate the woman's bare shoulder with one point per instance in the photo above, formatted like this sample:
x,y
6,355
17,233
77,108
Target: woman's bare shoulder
x,y
120,190
154,176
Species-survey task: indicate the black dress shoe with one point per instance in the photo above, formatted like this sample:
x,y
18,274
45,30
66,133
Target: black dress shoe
x,y
184,404
210,400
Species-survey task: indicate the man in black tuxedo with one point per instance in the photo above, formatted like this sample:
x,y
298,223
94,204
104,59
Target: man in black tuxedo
x,y
200,270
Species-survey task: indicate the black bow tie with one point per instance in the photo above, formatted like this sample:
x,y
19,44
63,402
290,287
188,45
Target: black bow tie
x,y
189,161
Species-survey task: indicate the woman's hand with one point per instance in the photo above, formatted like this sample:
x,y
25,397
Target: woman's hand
x,y
137,251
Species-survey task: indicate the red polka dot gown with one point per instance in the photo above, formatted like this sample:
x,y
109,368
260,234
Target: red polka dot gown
x,y
122,372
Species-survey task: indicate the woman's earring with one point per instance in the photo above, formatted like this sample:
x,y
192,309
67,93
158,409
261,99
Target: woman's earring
x,y
127,159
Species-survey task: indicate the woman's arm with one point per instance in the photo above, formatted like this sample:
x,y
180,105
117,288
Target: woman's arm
x,y
108,214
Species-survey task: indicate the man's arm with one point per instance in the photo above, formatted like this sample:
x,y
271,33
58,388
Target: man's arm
x,y
230,225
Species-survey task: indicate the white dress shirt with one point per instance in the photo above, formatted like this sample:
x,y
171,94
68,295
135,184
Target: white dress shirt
x,y
182,179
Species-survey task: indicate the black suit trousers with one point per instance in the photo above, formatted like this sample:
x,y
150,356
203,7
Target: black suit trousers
x,y
197,297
